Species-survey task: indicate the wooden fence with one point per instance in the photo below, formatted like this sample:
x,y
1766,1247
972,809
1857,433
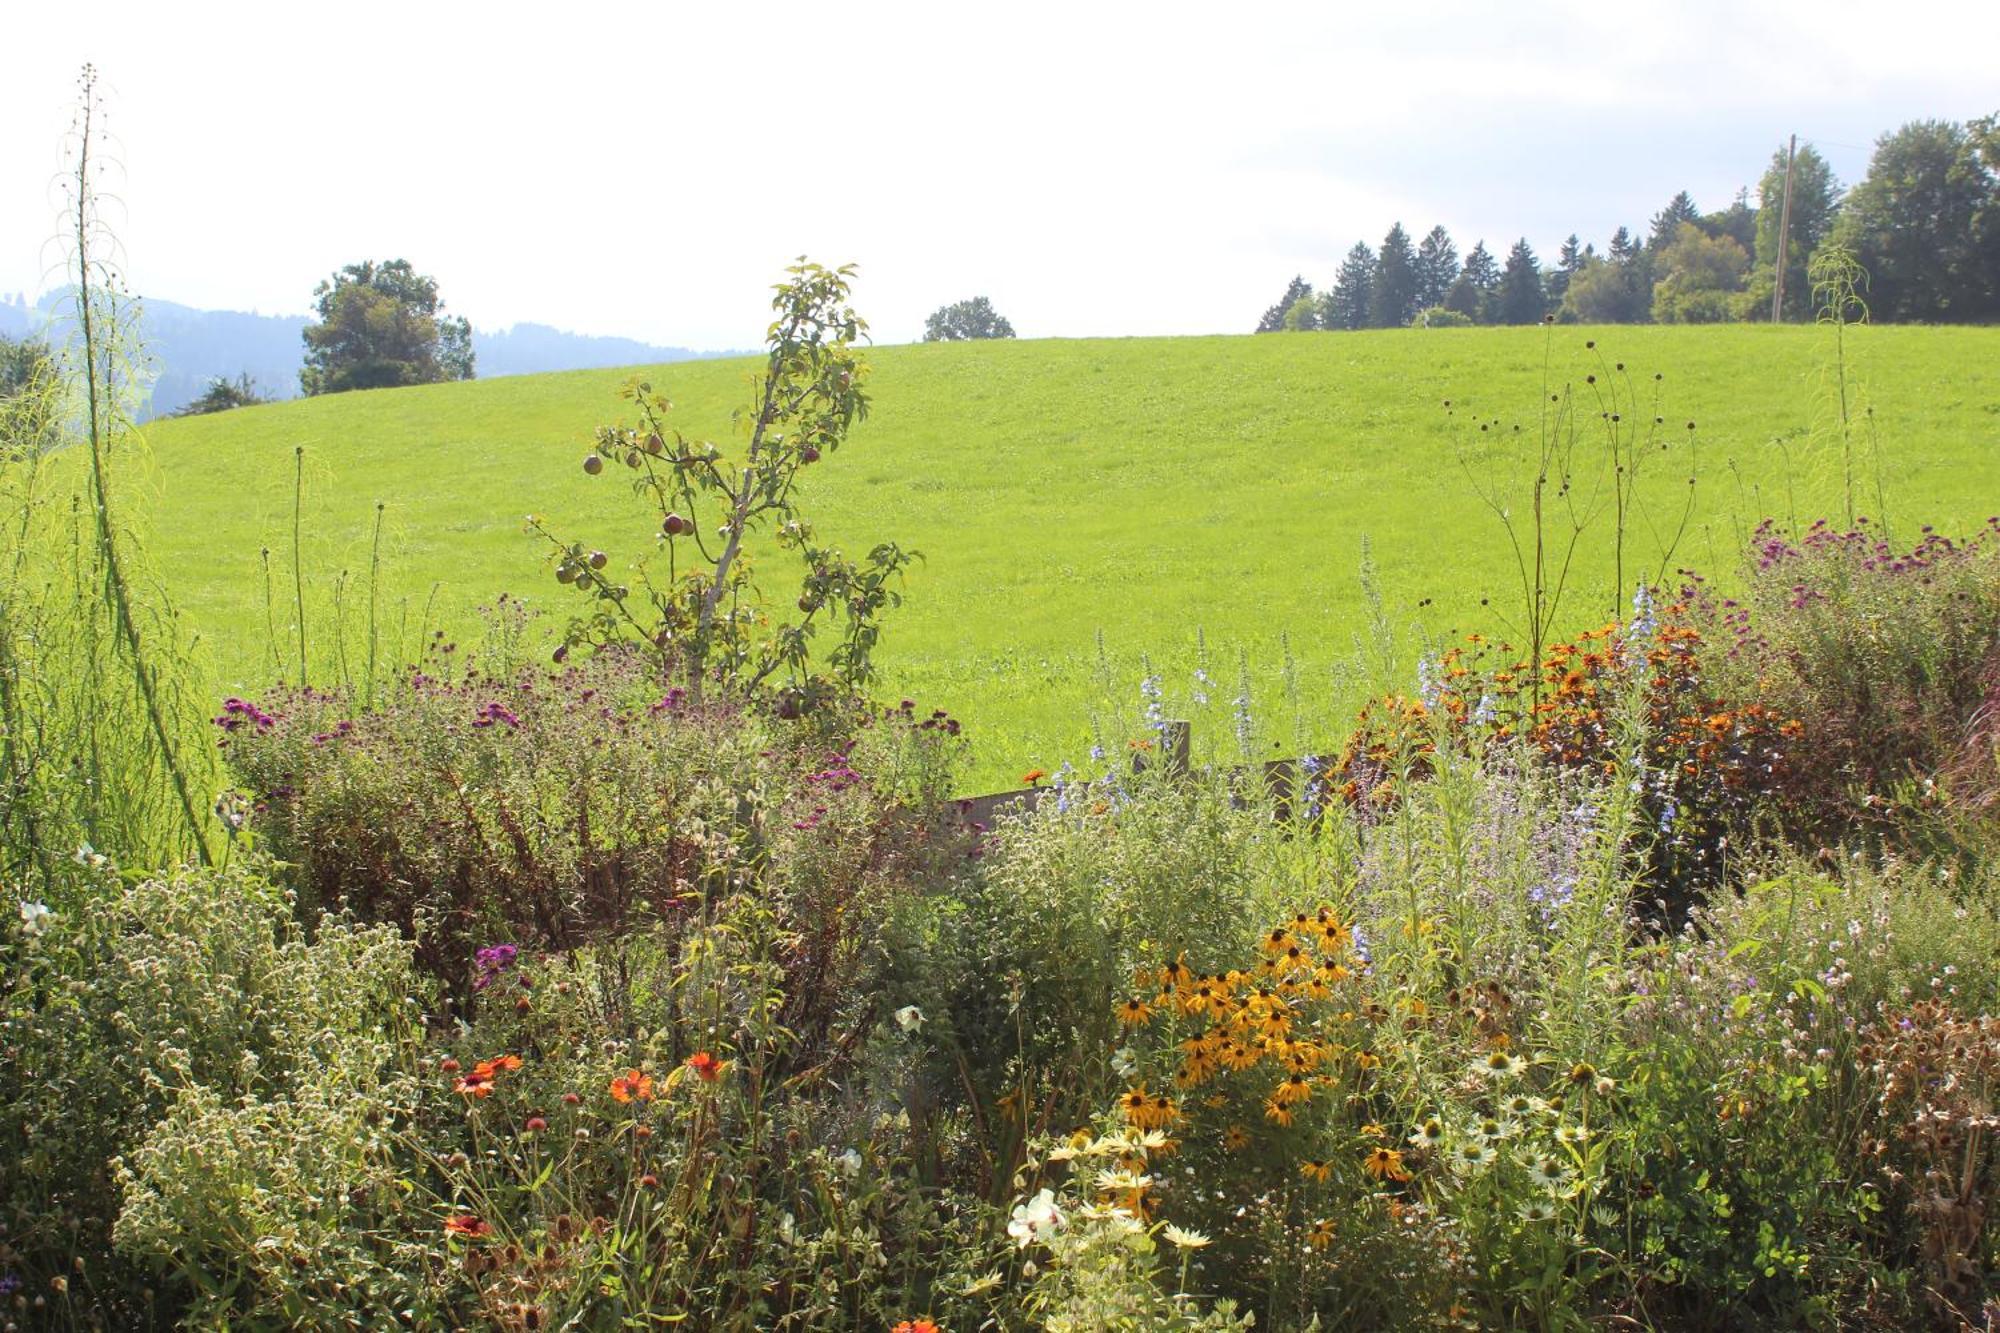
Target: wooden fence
x,y
1175,750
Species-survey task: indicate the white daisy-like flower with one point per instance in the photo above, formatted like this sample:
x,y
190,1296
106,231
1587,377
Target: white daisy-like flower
x,y
1548,1172
909,1018
1538,1210
1429,1134
1604,1215
984,1282
1573,1135
1185,1239
1500,1064
1473,1155
1122,1181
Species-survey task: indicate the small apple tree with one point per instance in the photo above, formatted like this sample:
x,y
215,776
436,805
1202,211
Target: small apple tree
x,y
708,618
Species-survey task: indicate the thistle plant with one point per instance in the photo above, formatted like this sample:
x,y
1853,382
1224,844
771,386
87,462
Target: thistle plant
x,y
707,617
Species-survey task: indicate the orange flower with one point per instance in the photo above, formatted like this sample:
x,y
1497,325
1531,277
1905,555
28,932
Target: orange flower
x,y
632,1085
475,1084
1033,775
488,1068
465,1224
1386,1164
705,1066
916,1326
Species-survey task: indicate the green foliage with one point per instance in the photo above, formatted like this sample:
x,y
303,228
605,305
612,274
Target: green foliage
x,y
222,395
1697,274
1815,202
1394,295
1303,317
1437,268
99,739
1438,317
381,325
966,320
1925,224
1520,299
1274,319
1350,302
707,617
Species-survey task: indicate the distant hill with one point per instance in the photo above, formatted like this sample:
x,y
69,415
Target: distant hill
x,y
189,347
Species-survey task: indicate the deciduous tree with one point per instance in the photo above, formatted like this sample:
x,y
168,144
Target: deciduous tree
x,y
1925,224
966,321
382,325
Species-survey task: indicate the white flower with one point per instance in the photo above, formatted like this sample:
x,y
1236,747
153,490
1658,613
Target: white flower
x,y
1549,1173
1538,1210
1121,1180
909,1018
34,918
850,1163
1036,1216
1122,1062
985,1282
1187,1240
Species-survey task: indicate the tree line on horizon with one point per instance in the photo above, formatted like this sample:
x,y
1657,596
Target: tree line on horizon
x,y
1924,225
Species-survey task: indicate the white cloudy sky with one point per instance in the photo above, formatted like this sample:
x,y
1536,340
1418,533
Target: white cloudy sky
x,y
646,169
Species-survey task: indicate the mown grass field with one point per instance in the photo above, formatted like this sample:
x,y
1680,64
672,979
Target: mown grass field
x,y
1174,500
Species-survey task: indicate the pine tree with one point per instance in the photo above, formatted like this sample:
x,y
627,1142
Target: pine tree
x,y
1274,318
1472,294
1347,305
1667,222
1520,299
1394,299
1437,268
1568,260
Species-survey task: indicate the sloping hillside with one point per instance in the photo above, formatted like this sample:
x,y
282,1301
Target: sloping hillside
x,y
1150,495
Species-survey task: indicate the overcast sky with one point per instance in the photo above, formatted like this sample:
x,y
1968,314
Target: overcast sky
x,y
647,169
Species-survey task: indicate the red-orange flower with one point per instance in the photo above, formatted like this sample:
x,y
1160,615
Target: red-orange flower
x,y
475,1084
916,1326
496,1064
707,1066
1033,775
632,1086
465,1224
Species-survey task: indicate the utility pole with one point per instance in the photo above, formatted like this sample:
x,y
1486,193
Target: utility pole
x,y
1784,234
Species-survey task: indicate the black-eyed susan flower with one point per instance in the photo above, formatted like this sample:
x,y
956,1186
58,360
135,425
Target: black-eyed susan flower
x,y
1278,1113
1235,1138
1135,1012
1320,1234
1385,1163
1314,1168
1293,1088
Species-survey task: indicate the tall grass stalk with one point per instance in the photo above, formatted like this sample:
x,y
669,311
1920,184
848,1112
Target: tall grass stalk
x,y
103,420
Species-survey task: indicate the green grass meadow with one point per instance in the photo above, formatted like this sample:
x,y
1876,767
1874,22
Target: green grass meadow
x,y
1087,509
